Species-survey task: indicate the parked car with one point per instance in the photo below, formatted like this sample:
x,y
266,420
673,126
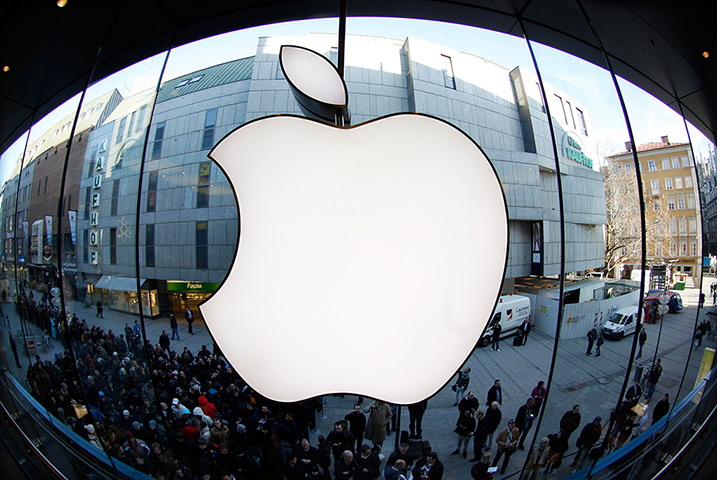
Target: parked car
x,y
652,300
621,323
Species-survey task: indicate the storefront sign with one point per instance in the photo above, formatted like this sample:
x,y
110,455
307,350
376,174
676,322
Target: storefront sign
x,y
199,287
574,151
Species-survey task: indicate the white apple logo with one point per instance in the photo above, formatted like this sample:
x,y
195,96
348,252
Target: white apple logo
x,y
370,257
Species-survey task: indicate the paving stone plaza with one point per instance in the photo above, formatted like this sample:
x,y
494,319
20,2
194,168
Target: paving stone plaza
x,y
592,382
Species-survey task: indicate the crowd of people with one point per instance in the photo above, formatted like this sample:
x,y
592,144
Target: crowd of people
x,y
173,414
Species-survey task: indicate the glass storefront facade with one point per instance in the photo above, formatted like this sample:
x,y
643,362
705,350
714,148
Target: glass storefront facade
x,y
111,202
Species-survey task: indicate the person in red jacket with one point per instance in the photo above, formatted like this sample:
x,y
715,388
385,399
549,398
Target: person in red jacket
x,y
207,407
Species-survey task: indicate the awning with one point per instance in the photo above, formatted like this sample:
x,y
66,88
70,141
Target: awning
x,y
120,284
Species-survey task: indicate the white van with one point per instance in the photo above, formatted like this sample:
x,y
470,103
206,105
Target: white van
x,y
510,311
622,322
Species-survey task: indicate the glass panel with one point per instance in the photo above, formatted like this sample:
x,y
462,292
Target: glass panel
x,y
673,242
603,255
188,236
483,83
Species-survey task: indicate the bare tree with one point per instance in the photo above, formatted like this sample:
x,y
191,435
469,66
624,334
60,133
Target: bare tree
x,y
623,232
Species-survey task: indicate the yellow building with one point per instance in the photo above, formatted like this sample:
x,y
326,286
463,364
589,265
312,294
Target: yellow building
x,y
671,203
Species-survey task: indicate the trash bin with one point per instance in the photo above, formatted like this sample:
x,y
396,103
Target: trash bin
x,y
679,286
638,372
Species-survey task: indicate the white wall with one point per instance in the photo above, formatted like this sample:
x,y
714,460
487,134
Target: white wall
x,y
578,318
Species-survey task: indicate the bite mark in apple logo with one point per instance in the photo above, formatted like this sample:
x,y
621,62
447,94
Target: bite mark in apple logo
x,y
361,249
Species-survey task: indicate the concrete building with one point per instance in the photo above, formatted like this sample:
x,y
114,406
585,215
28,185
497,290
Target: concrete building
x,y
670,185
189,223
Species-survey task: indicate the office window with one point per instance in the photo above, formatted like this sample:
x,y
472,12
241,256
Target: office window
x,y
570,109
131,123
562,107
675,162
158,138
115,197
693,224
627,167
85,246
668,184
88,196
680,201
678,182
45,190
201,240
673,226
39,185
688,182
149,246
152,191
210,121
203,184
655,186
683,224
658,249
665,163
140,117
581,120
691,200
91,166
120,130
673,248
683,249
693,249
449,79
685,161
671,202
113,246
651,167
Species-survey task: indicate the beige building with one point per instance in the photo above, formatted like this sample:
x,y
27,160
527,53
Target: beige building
x,y
671,202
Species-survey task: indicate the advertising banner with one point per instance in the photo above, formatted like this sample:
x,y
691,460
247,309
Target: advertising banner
x,y
48,229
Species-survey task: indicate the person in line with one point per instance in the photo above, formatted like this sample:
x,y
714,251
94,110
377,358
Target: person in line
x,y
589,436
461,384
641,341
507,441
465,426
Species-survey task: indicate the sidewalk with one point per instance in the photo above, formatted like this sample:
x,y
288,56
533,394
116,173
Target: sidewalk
x,y
593,383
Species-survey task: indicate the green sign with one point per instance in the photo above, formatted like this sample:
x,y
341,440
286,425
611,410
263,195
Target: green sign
x,y
574,151
199,287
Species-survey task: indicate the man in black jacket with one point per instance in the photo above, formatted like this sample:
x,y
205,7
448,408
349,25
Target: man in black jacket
x,y
469,402
369,465
524,420
428,468
661,409
479,436
495,394
589,436
493,417
346,467
570,422
357,424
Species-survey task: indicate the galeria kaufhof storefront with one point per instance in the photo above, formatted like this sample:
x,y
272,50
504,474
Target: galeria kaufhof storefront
x,y
149,203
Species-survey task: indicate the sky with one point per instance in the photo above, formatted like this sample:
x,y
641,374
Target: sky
x,y
590,85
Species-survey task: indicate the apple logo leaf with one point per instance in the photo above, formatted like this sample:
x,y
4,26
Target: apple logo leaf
x,y
315,82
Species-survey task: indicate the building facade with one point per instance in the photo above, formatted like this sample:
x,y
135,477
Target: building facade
x,y
188,215
672,198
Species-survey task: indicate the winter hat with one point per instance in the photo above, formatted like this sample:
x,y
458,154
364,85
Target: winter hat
x,y
198,411
175,401
136,425
125,413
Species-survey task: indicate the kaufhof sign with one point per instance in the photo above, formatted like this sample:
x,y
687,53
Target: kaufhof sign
x,y
573,150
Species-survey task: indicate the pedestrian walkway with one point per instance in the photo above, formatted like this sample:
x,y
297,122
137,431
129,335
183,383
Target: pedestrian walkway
x,y
593,383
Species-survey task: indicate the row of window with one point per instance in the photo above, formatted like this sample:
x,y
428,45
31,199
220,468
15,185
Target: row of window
x,y
570,120
683,223
673,249
136,123
203,186
669,163
201,237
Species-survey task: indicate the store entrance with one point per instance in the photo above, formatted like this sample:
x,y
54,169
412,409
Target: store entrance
x,y
180,301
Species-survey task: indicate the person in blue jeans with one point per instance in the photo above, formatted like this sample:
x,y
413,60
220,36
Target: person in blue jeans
x,y
495,337
174,326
